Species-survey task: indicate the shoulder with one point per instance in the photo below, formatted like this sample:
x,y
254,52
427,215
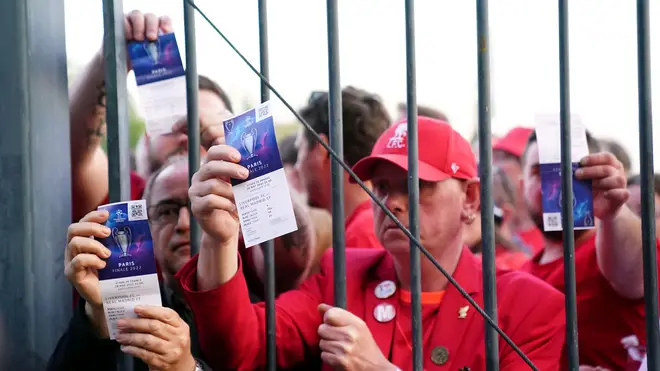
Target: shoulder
x,y
517,284
358,260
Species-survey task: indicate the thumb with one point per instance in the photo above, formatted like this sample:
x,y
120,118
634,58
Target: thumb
x,y
323,308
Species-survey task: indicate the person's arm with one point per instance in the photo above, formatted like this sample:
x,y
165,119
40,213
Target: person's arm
x,y
89,164
619,253
232,331
82,347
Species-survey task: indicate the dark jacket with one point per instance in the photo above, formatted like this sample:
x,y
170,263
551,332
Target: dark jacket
x,y
80,349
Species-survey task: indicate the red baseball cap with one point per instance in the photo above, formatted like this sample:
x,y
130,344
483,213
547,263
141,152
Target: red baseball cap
x,y
443,153
514,142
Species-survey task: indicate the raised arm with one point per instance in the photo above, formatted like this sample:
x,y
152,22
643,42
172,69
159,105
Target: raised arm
x,y
89,164
232,331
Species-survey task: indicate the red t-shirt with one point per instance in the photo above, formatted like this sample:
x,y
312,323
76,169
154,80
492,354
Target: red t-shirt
x,y
137,190
402,340
533,238
604,317
507,259
360,228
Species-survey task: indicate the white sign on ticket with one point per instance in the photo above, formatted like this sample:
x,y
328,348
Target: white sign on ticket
x,y
263,200
161,82
129,278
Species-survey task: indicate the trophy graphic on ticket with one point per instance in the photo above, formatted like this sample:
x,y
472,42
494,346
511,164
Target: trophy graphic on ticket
x,y
249,142
122,237
153,50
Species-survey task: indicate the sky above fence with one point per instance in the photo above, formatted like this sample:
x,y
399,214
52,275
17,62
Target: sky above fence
x,y
524,54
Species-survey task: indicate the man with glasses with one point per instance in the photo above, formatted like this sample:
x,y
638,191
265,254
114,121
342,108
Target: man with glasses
x,y
167,340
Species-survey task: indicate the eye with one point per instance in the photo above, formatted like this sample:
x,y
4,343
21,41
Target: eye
x,y
380,187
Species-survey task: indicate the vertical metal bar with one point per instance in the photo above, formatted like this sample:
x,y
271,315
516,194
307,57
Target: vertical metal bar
x,y
647,185
192,102
413,188
567,189
268,246
114,56
337,144
486,177
35,182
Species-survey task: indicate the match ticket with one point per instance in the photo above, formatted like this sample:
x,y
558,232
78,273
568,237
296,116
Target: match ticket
x,y
130,277
549,145
161,82
263,200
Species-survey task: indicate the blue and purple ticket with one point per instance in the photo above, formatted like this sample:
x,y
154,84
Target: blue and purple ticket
x,y
130,277
263,200
549,144
161,82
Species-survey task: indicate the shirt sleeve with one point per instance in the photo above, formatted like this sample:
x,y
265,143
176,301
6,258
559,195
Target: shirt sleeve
x,y
232,331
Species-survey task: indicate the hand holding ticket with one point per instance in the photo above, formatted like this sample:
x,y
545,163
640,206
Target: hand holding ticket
x,y
128,277
161,81
549,144
263,198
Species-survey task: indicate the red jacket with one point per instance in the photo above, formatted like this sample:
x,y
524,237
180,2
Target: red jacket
x,y
232,331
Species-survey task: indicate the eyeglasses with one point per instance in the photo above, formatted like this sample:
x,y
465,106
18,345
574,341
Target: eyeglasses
x,y
166,212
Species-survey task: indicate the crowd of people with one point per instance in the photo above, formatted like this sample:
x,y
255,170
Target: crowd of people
x,y
213,317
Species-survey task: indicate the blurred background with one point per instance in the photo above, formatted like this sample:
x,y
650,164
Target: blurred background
x,y
524,52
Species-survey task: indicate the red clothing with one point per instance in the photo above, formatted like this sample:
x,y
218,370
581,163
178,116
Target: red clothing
x,y
533,238
360,228
232,331
137,189
508,259
604,317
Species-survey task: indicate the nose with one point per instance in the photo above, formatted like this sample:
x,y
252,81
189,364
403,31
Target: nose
x,y
396,202
183,222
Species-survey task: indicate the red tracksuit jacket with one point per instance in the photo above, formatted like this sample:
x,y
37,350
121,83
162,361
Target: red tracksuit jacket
x,y
232,332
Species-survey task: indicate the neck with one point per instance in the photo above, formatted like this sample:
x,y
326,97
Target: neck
x,y
432,279
354,196
554,250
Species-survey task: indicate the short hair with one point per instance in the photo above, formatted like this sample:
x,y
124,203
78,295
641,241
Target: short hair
x,y
148,189
364,121
592,143
637,180
426,111
613,147
288,151
205,83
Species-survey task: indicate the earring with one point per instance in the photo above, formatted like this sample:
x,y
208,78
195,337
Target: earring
x,y
471,218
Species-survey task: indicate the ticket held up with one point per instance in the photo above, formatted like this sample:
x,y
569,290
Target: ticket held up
x,y
263,200
161,82
549,146
129,278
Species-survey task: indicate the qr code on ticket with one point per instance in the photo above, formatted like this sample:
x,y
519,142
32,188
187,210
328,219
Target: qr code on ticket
x,y
137,211
552,221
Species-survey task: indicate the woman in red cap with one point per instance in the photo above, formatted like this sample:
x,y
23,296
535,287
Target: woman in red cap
x,y
374,333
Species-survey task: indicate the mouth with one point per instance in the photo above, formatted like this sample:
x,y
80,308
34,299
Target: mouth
x,y
184,245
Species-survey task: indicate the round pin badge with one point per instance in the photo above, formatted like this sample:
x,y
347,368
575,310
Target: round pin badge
x,y
385,289
439,355
384,312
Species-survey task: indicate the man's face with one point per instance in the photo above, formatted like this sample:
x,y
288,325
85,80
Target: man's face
x,y
165,146
635,203
170,219
311,168
440,209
